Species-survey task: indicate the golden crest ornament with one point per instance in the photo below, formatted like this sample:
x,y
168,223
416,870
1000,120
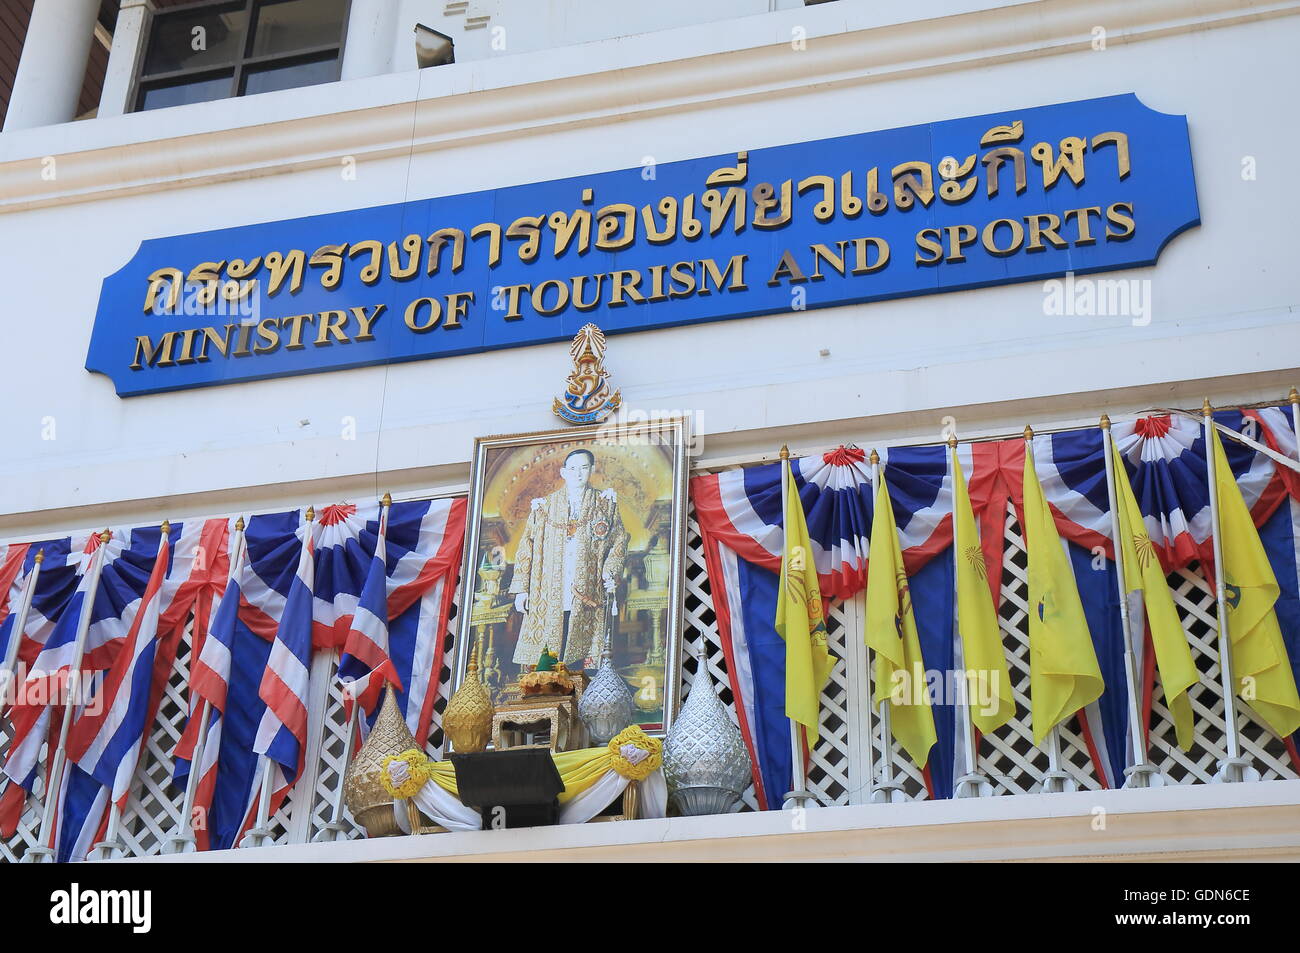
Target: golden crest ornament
x,y
588,395
363,790
468,719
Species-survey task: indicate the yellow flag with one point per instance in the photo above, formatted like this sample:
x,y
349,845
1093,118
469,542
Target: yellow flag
x,y
1063,672
992,703
891,631
799,619
1259,661
1144,575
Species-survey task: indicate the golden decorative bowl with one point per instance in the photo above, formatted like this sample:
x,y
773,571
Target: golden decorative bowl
x,y
545,683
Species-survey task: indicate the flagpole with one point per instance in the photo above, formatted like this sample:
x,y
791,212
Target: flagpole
x,y
1142,773
1294,398
42,852
20,618
20,623
1234,767
973,782
886,790
184,843
1056,781
335,830
799,795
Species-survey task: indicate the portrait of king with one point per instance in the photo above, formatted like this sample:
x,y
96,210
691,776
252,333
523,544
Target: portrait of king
x,y
567,565
574,547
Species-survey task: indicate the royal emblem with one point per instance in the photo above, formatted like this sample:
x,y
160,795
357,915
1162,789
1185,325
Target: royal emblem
x,y
1145,549
600,529
588,397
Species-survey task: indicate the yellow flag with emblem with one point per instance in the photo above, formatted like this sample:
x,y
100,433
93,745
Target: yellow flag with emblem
x,y
1144,577
891,631
991,701
1063,672
1259,660
799,619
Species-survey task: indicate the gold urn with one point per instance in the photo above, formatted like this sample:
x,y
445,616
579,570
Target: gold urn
x,y
364,793
467,721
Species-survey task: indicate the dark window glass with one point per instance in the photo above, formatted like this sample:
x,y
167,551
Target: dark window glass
x,y
213,50
286,26
269,79
196,39
179,94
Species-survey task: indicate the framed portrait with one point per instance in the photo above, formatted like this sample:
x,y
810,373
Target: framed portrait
x,y
576,537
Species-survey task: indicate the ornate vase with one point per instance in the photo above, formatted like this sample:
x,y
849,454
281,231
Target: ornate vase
x,y
705,762
467,721
371,805
607,706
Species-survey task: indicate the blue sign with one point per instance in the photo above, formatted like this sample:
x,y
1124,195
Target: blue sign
x,y
1020,195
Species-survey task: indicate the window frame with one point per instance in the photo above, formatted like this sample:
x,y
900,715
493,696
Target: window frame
x,y
243,63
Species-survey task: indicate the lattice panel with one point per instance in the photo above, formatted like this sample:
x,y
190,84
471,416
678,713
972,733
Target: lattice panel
x,y
1009,757
851,745
332,765
153,808
829,769
1195,601
900,768
28,831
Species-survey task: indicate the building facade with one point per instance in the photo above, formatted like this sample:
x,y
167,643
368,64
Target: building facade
x,y
184,140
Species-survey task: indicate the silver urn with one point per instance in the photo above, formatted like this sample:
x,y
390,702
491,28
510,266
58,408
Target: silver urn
x,y
607,706
705,762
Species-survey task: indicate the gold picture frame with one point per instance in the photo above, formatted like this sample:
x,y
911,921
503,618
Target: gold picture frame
x,y
536,522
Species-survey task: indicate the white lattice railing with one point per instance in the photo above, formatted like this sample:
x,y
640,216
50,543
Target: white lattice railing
x,y
840,766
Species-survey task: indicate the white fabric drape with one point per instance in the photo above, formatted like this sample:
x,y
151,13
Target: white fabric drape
x,y
445,809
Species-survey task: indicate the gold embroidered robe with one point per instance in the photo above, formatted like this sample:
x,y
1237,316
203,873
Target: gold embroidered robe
x,y
601,548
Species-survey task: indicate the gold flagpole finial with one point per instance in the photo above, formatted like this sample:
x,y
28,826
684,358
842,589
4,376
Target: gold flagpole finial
x,y
105,536
166,527
311,513
387,500
40,556
1105,421
1294,396
1029,432
952,441
1206,409
239,525
785,452
875,458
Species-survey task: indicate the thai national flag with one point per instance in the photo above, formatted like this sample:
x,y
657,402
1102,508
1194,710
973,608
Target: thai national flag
x,y
282,734
232,662
124,572
739,513
210,685
422,543
365,666
105,742
31,719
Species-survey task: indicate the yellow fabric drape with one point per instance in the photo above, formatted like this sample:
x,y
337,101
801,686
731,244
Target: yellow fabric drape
x,y
578,770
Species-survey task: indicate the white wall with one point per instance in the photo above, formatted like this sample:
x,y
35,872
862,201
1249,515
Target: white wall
x,y
522,26
1225,294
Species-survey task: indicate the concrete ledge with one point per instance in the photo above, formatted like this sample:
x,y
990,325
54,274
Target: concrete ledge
x,y
1259,821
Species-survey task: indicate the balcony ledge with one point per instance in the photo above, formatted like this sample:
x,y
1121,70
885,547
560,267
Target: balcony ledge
x,y
1255,821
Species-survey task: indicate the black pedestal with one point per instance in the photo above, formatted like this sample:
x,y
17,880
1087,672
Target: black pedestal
x,y
514,788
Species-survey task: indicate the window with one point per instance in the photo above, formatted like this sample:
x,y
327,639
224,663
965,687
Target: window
x,y
215,50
